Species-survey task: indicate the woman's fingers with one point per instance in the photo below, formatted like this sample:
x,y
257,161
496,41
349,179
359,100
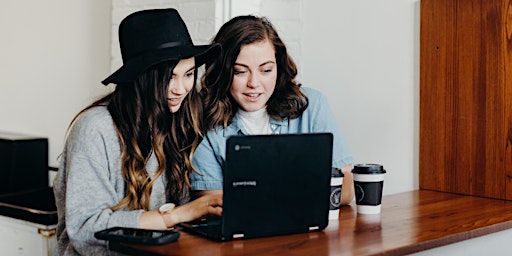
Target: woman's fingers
x,y
215,200
214,204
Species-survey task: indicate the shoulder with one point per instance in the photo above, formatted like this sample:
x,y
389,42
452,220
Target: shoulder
x,y
93,118
315,97
223,132
95,114
220,133
95,123
217,136
312,93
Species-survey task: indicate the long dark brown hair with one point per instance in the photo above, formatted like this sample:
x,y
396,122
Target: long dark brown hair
x,y
144,126
287,101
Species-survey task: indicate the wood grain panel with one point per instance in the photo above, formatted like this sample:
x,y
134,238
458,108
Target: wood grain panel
x,y
507,38
465,97
409,222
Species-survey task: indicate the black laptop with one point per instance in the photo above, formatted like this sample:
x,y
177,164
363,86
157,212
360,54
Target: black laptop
x,y
273,185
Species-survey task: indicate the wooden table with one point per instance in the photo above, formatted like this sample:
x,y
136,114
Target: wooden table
x,y
409,222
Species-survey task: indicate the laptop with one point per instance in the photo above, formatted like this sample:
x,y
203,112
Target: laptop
x,y
273,185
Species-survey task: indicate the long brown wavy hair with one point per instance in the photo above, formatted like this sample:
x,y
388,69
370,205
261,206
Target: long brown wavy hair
x,y
287,101
144,126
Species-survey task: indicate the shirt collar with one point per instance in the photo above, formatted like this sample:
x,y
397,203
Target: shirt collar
x,y
235,128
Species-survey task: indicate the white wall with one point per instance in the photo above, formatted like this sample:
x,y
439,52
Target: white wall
x,y
365,56
53,55
362,54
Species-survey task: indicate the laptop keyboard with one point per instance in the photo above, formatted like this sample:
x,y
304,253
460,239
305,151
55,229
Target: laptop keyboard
x,y
205,227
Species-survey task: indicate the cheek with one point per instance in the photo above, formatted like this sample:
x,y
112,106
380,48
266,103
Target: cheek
x,y
189,84
232,90
237,84
270,81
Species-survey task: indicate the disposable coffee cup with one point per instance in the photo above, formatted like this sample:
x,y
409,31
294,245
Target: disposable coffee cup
x,y
368,184
335,197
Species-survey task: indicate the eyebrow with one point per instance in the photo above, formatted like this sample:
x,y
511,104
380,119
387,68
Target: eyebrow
x,y
190,69
262,64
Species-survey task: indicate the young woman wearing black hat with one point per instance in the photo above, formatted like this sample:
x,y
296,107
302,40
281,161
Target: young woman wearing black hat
x,y
128,156
251,89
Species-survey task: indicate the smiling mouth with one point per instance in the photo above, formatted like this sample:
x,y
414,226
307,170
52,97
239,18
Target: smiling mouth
x,y
174,101
252,95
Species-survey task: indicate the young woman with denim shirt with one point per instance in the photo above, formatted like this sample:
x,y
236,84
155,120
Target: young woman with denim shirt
x,y
251,89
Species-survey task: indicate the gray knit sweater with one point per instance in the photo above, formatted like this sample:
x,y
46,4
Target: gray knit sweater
x,y
89,181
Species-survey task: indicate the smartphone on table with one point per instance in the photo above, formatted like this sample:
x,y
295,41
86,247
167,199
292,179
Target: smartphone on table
x,y
138,236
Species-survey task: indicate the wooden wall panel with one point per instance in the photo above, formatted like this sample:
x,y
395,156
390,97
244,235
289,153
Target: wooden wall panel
x,y
465,97
506,40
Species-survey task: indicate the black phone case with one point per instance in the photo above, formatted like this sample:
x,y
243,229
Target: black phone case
x,y
138,236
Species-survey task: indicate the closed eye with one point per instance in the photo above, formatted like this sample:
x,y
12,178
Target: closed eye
x,y
237,72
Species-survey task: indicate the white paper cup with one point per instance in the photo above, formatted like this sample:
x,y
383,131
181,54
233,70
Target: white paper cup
x,y
368,185
335,196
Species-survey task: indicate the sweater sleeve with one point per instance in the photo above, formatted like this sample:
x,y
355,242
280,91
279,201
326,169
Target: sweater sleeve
x,y
90,181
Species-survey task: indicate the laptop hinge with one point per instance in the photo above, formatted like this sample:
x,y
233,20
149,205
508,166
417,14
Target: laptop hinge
x,y
314,228
238,236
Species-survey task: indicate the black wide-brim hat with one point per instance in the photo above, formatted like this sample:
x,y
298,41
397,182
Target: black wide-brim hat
x,y
150,37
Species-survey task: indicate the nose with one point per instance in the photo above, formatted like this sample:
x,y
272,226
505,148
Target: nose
x,y
177,86
252,81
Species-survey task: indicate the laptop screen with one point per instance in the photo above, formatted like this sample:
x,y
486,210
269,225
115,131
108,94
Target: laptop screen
x,y
276,184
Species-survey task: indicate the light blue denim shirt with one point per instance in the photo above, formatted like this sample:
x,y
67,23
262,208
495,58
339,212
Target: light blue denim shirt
x,y
210,155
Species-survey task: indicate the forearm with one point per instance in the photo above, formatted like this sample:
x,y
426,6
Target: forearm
x,y
152,220
200,193
202,206
347,191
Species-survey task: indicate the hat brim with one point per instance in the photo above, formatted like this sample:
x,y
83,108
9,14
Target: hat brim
x,y
133,68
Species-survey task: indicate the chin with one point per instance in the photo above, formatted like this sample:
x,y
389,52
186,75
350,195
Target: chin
x,y
174,109
252,109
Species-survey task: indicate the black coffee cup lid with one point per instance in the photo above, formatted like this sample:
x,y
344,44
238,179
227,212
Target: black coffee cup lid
x,y
336,172
368,168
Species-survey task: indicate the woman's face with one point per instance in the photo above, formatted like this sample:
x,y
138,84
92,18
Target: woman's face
x,y
255,74
182,81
